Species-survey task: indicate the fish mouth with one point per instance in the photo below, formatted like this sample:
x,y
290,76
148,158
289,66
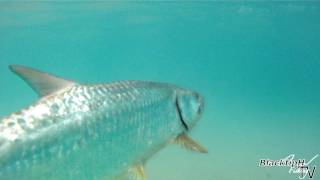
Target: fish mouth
x,y
184,124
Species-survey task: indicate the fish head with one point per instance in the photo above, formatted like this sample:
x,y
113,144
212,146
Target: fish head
x,y
189,105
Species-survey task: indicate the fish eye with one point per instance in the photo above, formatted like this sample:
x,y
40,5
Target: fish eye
x,y
197,96
199,111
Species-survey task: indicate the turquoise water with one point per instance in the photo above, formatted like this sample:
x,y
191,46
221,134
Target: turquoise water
x,y
256,64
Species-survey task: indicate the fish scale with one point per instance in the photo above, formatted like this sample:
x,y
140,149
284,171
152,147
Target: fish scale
x,y
88,131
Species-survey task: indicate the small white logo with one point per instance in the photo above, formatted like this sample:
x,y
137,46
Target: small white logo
x,y
301,167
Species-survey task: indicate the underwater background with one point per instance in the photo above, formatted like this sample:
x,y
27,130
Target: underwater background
x,y
256,63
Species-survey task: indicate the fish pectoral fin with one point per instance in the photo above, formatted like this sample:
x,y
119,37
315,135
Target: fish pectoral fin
x,y
185,141
43,83
137,173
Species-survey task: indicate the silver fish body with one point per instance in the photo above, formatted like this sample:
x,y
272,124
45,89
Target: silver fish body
x,y
92,131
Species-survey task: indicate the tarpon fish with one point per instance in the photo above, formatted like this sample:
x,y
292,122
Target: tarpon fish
x,y
100,131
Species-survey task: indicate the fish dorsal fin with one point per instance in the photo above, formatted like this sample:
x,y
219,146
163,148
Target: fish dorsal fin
x,y
185,141
43,83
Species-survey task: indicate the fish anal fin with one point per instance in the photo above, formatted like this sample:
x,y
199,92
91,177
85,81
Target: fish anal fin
x,y
137,173
42,83
185,141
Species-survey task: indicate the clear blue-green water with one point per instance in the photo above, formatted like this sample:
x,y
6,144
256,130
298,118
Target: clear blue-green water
x,y
256,63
